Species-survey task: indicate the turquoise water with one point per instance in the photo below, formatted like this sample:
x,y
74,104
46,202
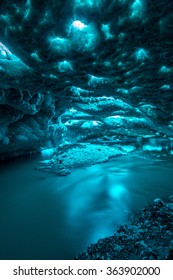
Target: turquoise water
x,y
43,216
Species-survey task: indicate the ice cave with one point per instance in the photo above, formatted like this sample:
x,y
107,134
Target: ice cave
x,y
86,129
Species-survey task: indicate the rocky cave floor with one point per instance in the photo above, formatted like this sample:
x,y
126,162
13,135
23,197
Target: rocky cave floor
x,y
149,236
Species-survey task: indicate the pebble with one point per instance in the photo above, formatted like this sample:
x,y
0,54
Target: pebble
x,y
158,202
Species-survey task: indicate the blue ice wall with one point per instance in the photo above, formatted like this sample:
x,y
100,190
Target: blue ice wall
x,y
110,61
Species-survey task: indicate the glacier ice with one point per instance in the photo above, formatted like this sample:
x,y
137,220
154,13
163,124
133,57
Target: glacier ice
x,y
82,71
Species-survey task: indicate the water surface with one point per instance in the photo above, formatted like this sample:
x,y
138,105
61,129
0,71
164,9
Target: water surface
x,y
43,216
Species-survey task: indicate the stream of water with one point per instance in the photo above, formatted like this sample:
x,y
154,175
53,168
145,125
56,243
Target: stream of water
x,y
43,216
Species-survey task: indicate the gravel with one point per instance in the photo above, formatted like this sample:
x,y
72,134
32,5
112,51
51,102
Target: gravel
x,y
149,236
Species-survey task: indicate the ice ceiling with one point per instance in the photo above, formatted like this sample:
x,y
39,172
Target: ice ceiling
x,y
80,71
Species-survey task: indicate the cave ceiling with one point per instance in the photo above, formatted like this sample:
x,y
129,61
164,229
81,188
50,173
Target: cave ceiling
x,y
84,69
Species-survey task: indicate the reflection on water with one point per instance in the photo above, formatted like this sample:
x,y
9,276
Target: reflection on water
x,y
43,216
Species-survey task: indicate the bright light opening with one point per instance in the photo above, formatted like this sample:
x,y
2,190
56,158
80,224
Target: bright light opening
x,y
78,24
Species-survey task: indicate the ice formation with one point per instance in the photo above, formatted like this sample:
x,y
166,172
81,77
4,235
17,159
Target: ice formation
x,y
84,72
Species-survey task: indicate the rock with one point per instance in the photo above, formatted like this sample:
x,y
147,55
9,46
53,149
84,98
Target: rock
x,y
158,202
117,248
79,156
